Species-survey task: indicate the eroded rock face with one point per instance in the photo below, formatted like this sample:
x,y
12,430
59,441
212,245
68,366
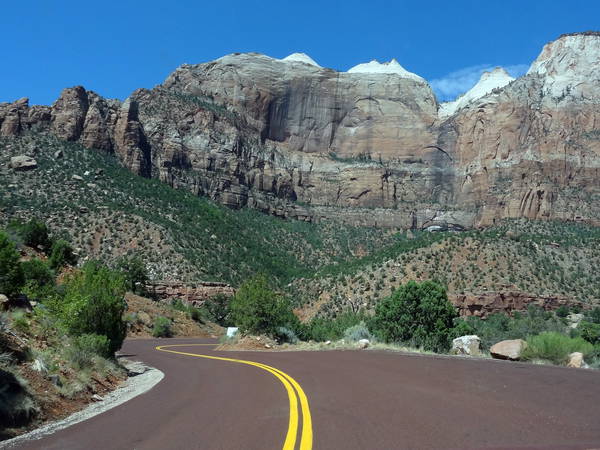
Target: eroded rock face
x,y
297,140
195,294
484,304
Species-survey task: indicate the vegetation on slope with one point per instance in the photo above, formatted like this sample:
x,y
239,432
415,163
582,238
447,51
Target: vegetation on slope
x,y
109,212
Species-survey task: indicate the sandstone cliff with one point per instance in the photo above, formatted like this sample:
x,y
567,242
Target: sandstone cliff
x,y
297,140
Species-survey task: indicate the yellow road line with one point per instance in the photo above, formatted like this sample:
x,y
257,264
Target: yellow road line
x,y
288,382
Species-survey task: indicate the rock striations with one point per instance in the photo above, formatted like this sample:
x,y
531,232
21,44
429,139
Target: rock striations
x,y
369,146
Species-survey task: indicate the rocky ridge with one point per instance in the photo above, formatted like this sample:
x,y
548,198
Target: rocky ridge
x,y
296,140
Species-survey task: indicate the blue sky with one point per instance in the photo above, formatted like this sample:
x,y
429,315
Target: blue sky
x,y
114,47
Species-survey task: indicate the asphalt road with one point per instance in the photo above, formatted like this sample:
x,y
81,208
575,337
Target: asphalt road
x,y
355,400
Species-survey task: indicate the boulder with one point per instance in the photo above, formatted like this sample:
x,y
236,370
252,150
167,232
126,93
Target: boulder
x,y
76,178
466,345
510,349
576,361
363,343
22,162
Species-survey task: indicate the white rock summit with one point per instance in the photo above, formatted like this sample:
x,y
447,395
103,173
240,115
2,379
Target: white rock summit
x,y
489,81
391,67
570,65
302,58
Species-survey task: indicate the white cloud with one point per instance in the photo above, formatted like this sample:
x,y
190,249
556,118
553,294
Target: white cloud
x,y
460,81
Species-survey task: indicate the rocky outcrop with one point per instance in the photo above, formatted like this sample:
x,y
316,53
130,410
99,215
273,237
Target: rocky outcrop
x,y
195,294
484,304
367,146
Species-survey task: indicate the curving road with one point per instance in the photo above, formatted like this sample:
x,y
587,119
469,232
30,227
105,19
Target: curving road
x,y
353,400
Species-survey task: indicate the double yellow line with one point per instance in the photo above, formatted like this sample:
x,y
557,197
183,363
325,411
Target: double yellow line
x,y
295,395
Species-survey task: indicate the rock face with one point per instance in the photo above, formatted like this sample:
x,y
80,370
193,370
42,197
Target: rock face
x,y
194,295
466,345
510,349
482,305
369,146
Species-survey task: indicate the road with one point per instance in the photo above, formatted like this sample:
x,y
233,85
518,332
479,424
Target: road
x,y
354,400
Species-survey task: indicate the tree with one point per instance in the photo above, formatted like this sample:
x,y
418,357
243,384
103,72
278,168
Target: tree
x,y
419,313
94,303
256,308
218,309
12,278
37,271
135,272
61,255
35,234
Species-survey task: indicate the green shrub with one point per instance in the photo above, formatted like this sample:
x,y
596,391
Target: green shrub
x,y
555,347
21,321
499,326
12,278
61,255
589,331
38,272
162,327
322,329
94,343
217,308
94,303
593,315
357,332
417,313
257,309
286,335
562,311
135,272
191,311
35,234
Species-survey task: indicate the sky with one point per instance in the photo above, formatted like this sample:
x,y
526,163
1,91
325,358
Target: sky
x,y
115,47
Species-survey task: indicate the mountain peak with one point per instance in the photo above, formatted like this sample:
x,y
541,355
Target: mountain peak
x,y
570,64
301,57
390,67
494,79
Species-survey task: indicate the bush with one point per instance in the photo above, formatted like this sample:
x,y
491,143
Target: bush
x,y
257,309
35,234
162,327
285,335
93,344
191,311
593,315
135,272
357,332
61,255
12,278
562,311
499,326
37,272
417,313
555,347
218,309
590,331
94,304
330,329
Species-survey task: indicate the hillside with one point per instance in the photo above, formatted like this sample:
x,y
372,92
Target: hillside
x,y
107,211
541,259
